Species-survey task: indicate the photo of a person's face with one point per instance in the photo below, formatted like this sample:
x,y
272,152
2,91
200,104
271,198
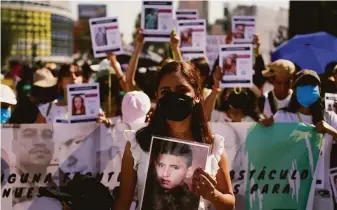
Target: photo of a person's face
x,y
77,155
239,31
186,38
33,144
171,170
229,64
78,105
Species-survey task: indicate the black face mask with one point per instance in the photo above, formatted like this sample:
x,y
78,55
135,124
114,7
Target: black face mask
x,y
176,106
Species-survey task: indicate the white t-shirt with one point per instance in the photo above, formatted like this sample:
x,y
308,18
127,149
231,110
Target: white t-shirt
x,y
278,103
140,159
267,87
218,116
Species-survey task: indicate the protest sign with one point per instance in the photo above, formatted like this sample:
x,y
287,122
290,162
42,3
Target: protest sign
x,y
105,36
212,48
187,14
330,100
192,35
237,63
243,29
171,166
84,102
271,168
157,20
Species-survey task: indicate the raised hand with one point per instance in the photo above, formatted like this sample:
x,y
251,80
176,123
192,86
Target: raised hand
x,y
175,39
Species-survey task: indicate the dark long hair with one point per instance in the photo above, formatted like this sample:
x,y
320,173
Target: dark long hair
x,y
158,125
64,72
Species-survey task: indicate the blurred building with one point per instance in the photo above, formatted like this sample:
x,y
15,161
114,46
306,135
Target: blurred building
x,y
201,6
312,16
222,26
40,29
81,28
269,23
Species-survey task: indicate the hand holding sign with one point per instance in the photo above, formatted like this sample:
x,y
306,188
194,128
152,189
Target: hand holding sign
x,y
204,184
140,37
175,39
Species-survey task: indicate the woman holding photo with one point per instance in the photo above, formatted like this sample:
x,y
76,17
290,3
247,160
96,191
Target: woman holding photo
x,y
179,114
68,74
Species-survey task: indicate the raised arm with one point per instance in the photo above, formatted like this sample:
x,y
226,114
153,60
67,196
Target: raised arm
x,y
119,73
210,101
133,63
175,40
128,181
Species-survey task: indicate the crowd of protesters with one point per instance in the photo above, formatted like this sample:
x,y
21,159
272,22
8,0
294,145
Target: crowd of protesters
x,y
176,99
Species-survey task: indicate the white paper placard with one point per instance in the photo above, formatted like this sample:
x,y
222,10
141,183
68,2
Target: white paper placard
x,y
237,62
192,35
187,14
330,99
83,102
105,36
243,29
212,47
192,54
157,20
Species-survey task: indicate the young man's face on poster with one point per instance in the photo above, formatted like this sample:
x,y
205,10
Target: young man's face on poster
x,y
171,170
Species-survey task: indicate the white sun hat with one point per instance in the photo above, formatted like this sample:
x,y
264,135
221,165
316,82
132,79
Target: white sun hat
x,y
7,95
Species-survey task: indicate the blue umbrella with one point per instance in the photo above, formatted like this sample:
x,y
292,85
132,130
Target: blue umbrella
x,y
321,40
310,57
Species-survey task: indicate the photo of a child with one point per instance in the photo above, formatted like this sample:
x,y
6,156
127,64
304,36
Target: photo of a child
x,y
171,167
229,64
78,106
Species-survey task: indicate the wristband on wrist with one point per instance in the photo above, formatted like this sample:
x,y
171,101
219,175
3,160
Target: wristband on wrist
x,y
214,88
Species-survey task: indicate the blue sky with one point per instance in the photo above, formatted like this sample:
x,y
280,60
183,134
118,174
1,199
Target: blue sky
x,y
127,11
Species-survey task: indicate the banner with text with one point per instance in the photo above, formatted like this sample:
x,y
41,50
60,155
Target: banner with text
x,y
271,168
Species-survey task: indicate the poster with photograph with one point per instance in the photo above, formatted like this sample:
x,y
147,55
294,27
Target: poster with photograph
x,y
188,55
333,179
237,63
84,102
330,99
243,29
212,47
169,174
105,36
187,14
192,35
157,20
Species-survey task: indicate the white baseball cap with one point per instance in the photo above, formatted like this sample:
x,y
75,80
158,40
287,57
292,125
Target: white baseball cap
x,y
135,106
7,95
